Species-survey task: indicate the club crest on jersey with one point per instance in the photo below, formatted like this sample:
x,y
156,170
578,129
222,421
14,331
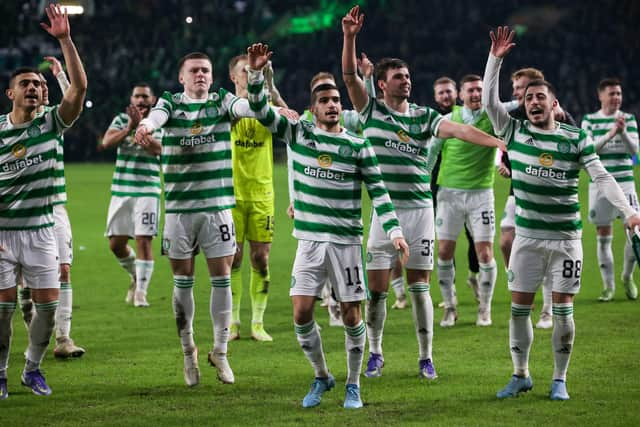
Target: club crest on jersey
x,y
19,151
196,129
403,136
415,128
250,132
33,131
546,159
324,160
564,147
345,151
211,111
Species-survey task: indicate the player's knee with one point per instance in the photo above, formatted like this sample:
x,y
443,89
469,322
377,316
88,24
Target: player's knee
x,y
260,260
118,247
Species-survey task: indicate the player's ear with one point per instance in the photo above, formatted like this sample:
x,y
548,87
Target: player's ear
x,y
9,93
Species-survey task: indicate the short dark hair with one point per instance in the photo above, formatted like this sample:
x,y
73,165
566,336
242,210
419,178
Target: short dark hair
x,y
444,80
320,88
22,70
194,55
143,84
609,81
540,82
381,68
236,59
470,78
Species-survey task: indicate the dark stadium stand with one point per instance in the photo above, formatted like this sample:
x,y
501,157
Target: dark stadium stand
x,y
128,41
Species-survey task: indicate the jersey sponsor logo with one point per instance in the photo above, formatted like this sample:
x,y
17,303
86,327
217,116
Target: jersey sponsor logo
x,y
545,173
400,146
19,151
196,129
250,144
403,136
324,174
324,160
546,159
22,163
191,141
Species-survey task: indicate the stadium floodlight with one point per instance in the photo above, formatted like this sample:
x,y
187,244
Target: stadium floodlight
x,y
72,9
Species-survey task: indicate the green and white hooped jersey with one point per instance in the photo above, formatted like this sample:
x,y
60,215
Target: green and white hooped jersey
x,y
137,173
328,172
401,142
196,147
545,170
28,156
614,155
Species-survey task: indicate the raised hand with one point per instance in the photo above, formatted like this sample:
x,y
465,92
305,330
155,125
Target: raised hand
x,y
352,22
56,66
134,116
502,41
258,55
365,66
59,21
620,124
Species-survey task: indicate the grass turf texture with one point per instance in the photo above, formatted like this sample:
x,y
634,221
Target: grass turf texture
x,y
132,371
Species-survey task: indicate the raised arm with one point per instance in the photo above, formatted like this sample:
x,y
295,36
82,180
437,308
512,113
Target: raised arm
x,y
256,106
351,25
366,68
73,97
58,73
501,44
276,98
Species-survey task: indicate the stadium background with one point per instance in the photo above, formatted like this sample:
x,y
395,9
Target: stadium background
x,y
123,42
132,372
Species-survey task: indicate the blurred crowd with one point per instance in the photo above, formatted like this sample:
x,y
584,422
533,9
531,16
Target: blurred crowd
x,y
124,42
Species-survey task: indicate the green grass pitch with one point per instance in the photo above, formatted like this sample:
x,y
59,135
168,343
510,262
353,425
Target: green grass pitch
x,y
132,371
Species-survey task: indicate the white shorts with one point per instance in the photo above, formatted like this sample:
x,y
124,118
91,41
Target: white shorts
x,y
212,232
509,215
558,263
601,211
133,216
473,207
32,254
340,265
62,230
417,227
